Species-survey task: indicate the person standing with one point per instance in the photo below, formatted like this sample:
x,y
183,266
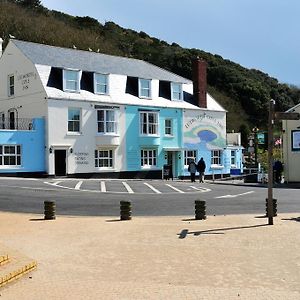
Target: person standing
x,y
192,169
201,169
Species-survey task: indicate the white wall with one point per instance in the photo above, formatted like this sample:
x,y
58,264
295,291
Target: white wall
x,y
83,145
291,158
29,96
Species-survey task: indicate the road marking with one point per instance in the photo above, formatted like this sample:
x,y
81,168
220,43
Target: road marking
x,y
175,189
56,183
128,188
234,196
78,185
103,186
152,188
202,189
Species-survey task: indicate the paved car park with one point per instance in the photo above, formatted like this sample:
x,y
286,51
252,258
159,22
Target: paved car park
x,y
130,186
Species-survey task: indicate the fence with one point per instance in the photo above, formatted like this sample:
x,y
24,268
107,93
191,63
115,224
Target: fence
x,y
17,124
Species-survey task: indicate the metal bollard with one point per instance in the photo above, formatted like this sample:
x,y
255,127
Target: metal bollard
x,y
125,210
200,210
274,207
49,210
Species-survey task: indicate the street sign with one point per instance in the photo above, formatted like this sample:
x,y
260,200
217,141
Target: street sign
x,y
287,115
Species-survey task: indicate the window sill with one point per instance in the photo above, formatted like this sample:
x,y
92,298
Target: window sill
x,y
74,133
107,134
216,167
150,135
169,136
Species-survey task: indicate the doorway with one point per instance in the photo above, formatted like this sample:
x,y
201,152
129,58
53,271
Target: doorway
x,y
171,162
60,162
12,120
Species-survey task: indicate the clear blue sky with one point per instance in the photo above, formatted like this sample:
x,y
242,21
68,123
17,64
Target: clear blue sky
x,y
260,34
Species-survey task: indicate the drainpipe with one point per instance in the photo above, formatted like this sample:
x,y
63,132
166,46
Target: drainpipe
x,y
1,42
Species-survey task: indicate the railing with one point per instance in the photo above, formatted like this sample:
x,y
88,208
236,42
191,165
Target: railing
x,y
17,124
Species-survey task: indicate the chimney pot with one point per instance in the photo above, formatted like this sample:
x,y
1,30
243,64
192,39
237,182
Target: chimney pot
x,y
200,82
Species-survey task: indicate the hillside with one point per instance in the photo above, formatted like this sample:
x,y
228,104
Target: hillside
x,y
244,93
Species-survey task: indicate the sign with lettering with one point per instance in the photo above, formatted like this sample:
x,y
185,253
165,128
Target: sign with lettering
x,y
204,130
26,79
81,158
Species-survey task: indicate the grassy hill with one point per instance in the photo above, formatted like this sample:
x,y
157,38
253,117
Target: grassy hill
x,y
244,93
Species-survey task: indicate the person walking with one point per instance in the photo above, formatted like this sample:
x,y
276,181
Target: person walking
x,y
201,169
192,169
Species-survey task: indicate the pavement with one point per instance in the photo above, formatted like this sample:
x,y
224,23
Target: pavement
x,y
222,257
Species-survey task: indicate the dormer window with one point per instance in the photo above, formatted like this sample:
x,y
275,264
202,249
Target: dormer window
x,y
101,84
71,80
144,88
176,91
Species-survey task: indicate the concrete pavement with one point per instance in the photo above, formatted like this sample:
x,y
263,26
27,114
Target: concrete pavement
x,y
223,257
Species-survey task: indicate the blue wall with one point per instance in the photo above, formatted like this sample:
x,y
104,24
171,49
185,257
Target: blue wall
x,y
135,142
32,147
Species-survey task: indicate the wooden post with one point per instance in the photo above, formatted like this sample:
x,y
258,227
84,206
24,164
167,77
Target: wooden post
x,y
270,161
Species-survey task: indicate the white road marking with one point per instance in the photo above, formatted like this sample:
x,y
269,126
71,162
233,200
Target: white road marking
x,y
234,196
55,183
78,185
175,189
128,188
202,189
103,187
152,188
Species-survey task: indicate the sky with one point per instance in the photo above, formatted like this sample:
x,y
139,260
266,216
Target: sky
x,y
259,34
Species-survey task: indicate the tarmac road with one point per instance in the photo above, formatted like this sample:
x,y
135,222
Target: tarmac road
x,y
149,197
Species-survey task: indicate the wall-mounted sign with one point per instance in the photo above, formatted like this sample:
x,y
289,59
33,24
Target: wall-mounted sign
x,y
295,140
26,79
81,158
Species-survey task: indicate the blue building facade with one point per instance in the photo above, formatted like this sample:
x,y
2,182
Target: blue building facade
x,y
23,151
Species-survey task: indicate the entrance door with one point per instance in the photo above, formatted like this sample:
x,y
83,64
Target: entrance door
x,y
170,162
60,162
12,120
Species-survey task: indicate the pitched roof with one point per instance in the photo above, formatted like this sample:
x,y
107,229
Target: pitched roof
x,y
93,62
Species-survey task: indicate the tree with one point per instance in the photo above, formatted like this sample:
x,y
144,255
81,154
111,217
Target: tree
x,y
30,3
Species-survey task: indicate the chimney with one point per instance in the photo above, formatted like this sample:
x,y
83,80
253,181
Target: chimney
x,y
1,42
199,82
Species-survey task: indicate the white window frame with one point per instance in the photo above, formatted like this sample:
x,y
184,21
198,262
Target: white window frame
x,y
74,121
11,87
105,161
148,158
188,155
152,128
168,127
106,122
141,88
16,155
77,80
233,158
216,156
173,92
100,84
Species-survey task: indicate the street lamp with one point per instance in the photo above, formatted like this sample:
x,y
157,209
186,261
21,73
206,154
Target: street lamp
x,y
255,131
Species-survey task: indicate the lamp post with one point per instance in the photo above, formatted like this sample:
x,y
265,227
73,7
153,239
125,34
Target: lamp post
x,y
255,130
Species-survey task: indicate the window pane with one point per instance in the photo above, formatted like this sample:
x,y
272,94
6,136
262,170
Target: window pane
x,y
71,75
101,83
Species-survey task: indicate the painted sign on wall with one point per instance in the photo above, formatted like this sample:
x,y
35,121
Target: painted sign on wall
x,y
204,130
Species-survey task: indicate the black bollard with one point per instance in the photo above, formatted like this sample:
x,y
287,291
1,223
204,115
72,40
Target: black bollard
x,y
49,210
200,210
125,210
274,203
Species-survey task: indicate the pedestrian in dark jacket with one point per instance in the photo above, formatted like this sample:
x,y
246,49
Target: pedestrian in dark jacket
x,y
201,169
192,169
